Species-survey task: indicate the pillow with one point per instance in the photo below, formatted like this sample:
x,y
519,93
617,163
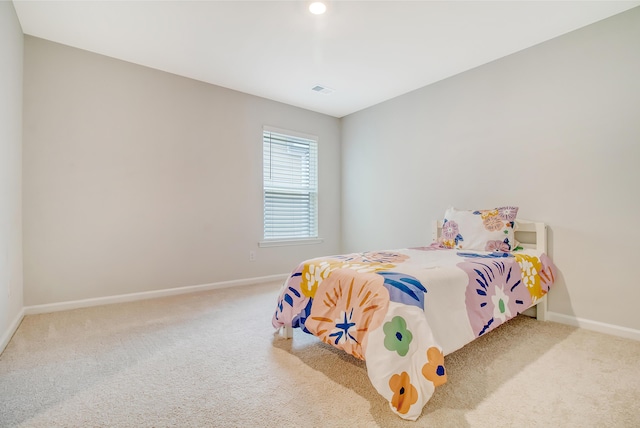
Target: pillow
x,y
480,230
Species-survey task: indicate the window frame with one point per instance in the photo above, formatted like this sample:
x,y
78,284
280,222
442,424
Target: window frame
x,y
286,241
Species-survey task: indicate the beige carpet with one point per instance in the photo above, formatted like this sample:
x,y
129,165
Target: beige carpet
x,y
211,360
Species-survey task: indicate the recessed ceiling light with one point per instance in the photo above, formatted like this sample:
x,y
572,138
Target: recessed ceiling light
x,y
317,8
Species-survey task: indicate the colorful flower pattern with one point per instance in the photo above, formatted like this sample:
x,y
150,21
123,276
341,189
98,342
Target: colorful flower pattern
x,y
404,288
404,393
538,273
451,236
531,267
508,214
316,271
397,336
478,230
313,273
346,307
434,369
497,246
491,220
379,312
292,303
495,292
450,230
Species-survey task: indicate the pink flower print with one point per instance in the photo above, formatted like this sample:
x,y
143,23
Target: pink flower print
x,y
450,230
508,213
497,246
494,294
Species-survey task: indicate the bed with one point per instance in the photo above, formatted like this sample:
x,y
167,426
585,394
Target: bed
x,y
403,310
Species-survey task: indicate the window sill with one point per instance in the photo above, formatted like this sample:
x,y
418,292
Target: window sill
x,y
289,242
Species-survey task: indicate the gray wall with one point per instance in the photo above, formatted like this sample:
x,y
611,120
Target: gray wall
x,y
10,170
138,180
554,129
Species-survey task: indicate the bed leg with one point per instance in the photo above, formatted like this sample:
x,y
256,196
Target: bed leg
x,y
286,332
541,309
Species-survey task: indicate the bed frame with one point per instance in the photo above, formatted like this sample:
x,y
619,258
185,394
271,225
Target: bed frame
x,y
530,234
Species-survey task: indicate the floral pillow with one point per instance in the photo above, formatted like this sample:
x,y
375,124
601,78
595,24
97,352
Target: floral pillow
x,y
480,230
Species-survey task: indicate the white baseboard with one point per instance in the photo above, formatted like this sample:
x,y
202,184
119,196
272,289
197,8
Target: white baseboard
x,y
122,298
6,337
615,330
132,297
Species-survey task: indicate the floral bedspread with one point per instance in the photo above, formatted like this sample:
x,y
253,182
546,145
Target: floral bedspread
x,y
401,311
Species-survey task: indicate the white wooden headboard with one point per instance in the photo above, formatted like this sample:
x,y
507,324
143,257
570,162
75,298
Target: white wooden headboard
x,y
530,234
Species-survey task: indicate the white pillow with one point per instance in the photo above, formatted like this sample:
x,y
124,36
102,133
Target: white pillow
x,y
480,230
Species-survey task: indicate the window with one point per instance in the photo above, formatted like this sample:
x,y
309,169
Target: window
x,y
290,184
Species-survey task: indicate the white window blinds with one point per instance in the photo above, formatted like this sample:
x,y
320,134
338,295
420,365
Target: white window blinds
x,y
290,186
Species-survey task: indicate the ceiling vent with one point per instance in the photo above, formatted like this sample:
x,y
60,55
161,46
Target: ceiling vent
x,y
322,89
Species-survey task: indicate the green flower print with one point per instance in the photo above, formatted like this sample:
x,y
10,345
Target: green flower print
x,y
396,336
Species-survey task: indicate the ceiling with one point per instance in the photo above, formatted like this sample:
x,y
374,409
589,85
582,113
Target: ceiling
x,y
366,51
